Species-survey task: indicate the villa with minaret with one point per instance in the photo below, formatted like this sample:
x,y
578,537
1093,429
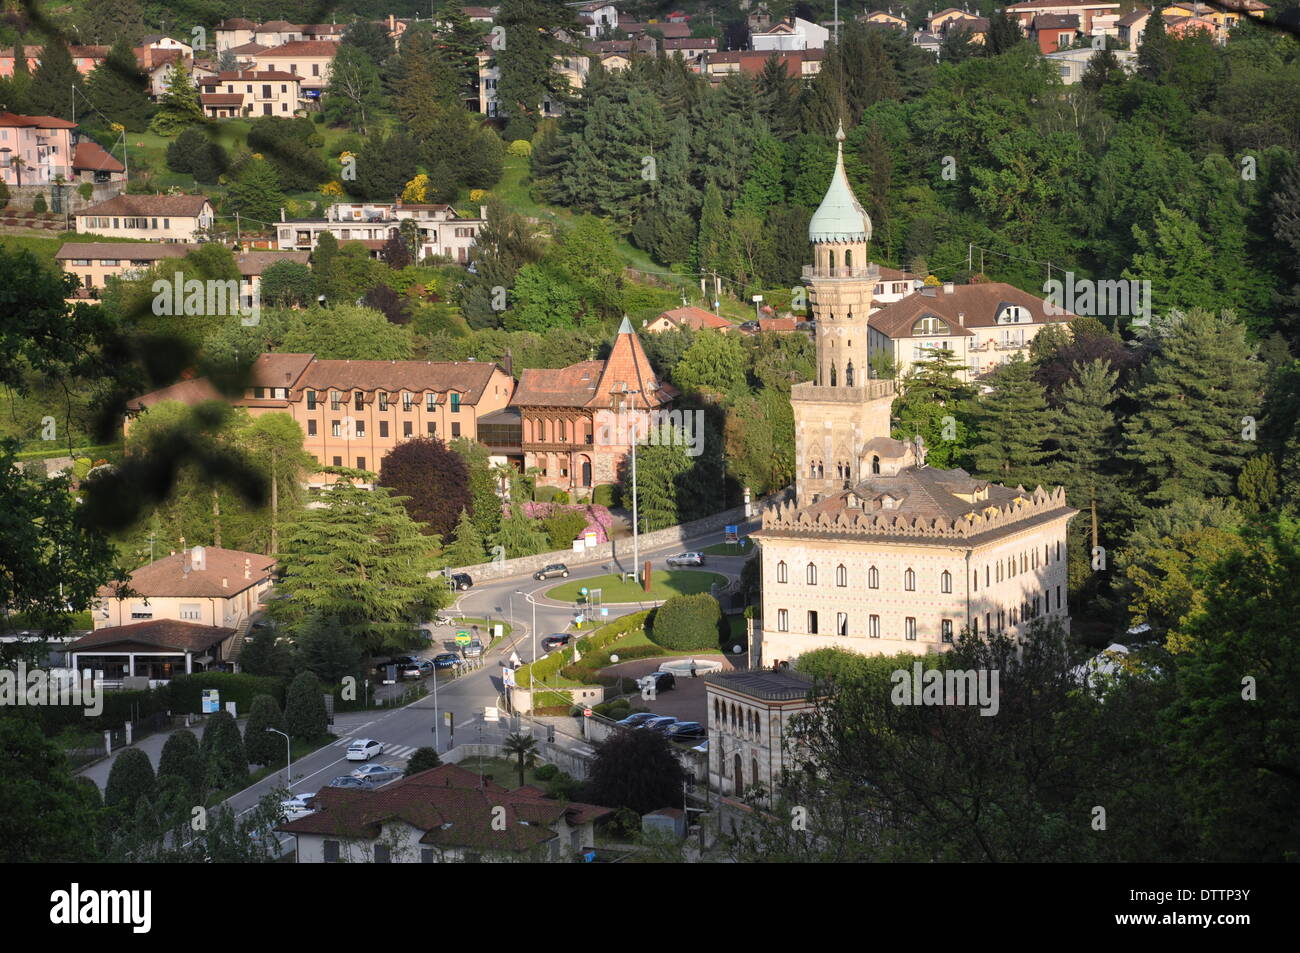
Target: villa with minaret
x,y
878,552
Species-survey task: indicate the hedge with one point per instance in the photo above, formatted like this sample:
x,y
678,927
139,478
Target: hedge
x,y
119,708
605,635
187,690
605,495
688,623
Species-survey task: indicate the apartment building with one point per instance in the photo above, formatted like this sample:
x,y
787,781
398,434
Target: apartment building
x,y
442,232
308,59
35,149
250,93
1095,16
160,218
95,262
790,35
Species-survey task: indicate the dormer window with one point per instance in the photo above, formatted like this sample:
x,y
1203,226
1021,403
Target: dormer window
x,y
929,325
1012,314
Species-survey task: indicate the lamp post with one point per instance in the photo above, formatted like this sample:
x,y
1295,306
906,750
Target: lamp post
x,y
288,778
619,405
532,698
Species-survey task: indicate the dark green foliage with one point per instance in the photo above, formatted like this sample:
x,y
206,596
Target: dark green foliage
x,y
118,90
262,746
422,760
130,779
182,762
327,651
636,770
50,817
222,750
50,93
1014,424
185,692
304,709
688,623
290,146
287,284
195,152
563,527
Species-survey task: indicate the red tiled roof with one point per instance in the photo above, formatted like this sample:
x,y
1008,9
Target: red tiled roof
x,y
979,304
256,262
181,206
258,76
168,577
696,318
468,378
34,122
303,48
155,634
221,99
91,155
1056,21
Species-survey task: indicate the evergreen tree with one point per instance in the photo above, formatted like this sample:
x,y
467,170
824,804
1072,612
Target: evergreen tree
x,y
304,708
179,106
461,39
255,192
713,244
222,750
129,780
111,21
467,548
422,760
1004,33
520,535
1013,425
1178,261
370,38
266,654
1154,55
526,61
328,652
1186,436
50,93
778,93
180,760
263,746
485,510
119,90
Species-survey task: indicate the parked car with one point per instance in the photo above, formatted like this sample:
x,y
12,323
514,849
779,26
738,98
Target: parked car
x,y
558,640
376,773
363,749
425,667
347,781
686,731
750,327
636,719
297,806
461,581
446,660
686,559
659,723
554,569
662,681
474,649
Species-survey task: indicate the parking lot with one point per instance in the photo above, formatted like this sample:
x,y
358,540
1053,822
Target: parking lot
x,y
685,702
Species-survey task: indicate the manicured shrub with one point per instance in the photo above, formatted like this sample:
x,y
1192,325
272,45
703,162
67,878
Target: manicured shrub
x,y
304,711
222,749
422,760
546,772
38,204
261,745
605,495
688,623
130,779
181,759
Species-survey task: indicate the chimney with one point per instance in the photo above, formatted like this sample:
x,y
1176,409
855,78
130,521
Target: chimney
x,y
248,572
391,24
509,364
225,583
961,319
282,213
947,287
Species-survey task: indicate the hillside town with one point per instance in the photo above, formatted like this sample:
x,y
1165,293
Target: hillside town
x,y
602,432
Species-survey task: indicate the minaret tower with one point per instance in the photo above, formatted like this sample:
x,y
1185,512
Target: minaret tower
x,y
838,412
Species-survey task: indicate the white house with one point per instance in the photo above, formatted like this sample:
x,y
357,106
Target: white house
x,y
792,34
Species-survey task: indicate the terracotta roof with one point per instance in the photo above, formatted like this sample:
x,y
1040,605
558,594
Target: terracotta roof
x,y
1129,19
155,634
979,303
256,262
753,61
571,386
167,576
671,31
245,49
269,370
91,155
304,48
453,807
1056,21
191,392
123,251
34,122
236,23
181,206
468,378
277,26
278,370
257,76
696,318
776,324
1038,4
893,274
690,43
968,24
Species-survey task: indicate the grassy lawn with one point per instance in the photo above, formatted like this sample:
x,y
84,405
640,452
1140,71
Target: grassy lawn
x,y
743,548
504,771
664,583
48,245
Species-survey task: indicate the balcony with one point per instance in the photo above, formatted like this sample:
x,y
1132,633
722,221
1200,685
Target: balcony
x,y
859,272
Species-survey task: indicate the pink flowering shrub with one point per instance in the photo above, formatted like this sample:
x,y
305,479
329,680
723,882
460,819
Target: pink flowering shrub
x,y
598,518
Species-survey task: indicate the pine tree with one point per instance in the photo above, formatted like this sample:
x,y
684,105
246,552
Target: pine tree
x,y
526,60
1087,442
1004,33
263,746
130,779
50,93
467,548
461,39
119,90
1154,54
1186,437
180,759
778,98
255,192
520,535
179,106
713,245
1013,424
304,708
222,750
1177,259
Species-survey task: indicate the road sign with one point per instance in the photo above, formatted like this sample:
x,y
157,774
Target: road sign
x,y
582,591
211,701
462,637
586,713
491,713
732,532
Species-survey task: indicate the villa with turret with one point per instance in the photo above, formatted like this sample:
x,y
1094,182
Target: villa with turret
x,y
879,553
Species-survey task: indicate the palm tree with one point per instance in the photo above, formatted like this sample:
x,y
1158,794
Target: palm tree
x,y
524,747
504,473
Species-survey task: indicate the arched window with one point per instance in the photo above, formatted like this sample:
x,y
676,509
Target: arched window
x,y
841,576
753,770
945,581
873,578
875,464
848,258
909,581
830,258
781,572
832,375
848,375
812,574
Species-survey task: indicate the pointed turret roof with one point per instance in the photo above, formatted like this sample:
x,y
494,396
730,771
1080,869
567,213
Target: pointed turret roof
x,y
628,369
840,217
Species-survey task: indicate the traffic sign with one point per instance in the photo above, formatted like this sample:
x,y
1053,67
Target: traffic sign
x,y
586,713
462,637
582,591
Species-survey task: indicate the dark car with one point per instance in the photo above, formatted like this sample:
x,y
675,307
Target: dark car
x,y
750,326
556,641
554,569
637,719
660,723
687,731
461,581
663,681
446,660
347,781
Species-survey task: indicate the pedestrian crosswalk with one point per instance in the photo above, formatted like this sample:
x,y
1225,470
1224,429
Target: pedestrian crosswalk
x,y
400,752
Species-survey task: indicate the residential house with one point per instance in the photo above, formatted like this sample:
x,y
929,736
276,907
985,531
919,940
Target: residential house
x,y
251,93
930,42
749,722
34,150
480,14
252,264
31,52
793,33
804,64
577,421
1054,31
982,325
893,285
688,316
276,33
444,815
1128,28
759,19
442,232
162,218
154,651
1095,16
158,68
95,262
883,18
92,163
233,32
935,22
599,17
570,67
692,49
310,59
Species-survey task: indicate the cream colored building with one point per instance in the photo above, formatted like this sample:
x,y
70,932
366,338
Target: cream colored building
x,y
250,93
203,585
309,59
160,218
749,717
441,232
879,553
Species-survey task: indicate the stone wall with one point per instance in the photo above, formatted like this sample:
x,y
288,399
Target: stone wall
x,y
21,197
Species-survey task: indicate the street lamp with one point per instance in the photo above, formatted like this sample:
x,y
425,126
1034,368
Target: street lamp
x,y
636,540
288,778
532,697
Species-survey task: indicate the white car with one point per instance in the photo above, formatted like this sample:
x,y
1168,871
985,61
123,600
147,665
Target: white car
x,y
297,806
686,559
363,749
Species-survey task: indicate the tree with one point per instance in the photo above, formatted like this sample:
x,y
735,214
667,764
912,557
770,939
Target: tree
x,y
50,816
262,745
255,192
688,623
524,748
354,92
525,61
430,479
179,105
637,770
194,152
714,364
181,761
119,90
222,750
326,650
467,548
460,39
304,708
370,38
422,760
266,654
111,20
1086,437
1154,55
1013,425
1186,436
359,559
562,527
347,332
384,166
1004,33
51,92
713,245
396,308
130,779
519,535
288,284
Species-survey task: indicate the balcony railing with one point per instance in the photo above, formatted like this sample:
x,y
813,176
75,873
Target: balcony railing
x,y
857,271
